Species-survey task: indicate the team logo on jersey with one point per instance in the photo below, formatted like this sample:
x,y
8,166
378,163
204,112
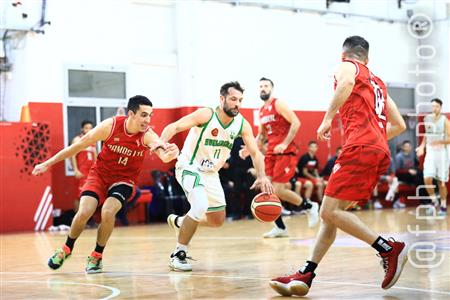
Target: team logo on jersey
x,y
215,132
138,143
116,139
336,167
232,135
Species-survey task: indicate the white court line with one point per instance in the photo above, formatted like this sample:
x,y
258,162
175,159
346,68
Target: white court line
x,y
234,278
115,291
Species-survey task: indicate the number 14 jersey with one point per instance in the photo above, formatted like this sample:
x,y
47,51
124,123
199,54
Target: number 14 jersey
x,y
122,154
364,114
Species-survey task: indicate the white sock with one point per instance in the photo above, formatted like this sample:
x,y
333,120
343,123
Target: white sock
x,y
179,221
181,247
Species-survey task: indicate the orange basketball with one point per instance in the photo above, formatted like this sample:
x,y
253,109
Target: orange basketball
x,y
265,207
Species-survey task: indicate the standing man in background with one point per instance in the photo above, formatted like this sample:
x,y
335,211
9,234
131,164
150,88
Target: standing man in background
x,y
83,161
436,164
279,126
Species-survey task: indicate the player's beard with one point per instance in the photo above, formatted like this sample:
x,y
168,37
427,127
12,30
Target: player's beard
x,y
230,112
264,96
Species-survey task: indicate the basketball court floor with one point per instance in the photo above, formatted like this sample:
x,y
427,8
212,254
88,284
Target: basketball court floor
x,y
232,262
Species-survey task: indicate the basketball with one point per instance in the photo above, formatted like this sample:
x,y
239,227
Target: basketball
x,y
265,207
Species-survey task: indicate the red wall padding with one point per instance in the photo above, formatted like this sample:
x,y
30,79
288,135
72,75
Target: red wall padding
x,y
64,187
26,200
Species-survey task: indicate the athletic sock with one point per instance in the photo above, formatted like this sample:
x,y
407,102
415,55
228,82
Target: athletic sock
x,y
308,267
279,223
179,221
381,245
98,248
70,243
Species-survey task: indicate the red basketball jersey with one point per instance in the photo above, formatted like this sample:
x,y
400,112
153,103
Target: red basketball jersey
x,y
85,158
122,154
276,127
364,114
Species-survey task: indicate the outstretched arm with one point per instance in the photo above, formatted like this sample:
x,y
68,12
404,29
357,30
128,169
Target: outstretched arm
x,y
197,118
262,181
99,133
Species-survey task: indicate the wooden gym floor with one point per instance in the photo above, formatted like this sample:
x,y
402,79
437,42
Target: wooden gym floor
x,y
232,262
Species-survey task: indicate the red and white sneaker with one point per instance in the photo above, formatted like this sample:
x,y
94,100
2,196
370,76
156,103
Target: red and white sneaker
x,y
393,262
296,284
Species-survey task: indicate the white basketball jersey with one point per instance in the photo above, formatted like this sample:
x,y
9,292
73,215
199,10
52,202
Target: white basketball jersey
x,y
435,131
208,146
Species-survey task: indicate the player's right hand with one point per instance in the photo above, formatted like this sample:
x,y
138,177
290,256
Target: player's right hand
x,y
420,151
39,169
323,132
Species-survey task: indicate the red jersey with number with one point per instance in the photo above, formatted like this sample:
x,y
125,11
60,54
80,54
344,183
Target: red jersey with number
x,y
122,153
85,158
364,114
276,127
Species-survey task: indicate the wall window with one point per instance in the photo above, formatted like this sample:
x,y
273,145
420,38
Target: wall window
x,y
96,84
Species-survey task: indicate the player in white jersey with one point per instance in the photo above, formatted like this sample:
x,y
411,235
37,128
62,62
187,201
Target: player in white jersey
x,y
207,147
437,160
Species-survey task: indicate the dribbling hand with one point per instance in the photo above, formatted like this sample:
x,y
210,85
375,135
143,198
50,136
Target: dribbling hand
x,y
263,184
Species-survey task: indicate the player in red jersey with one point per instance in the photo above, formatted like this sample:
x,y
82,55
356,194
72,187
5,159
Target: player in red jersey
x,y
279,126
126,140
83,160
365,109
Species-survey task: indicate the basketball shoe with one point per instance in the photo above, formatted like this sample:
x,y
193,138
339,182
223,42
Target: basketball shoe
x,y
94,263
393,262
178,261
313,214
276,233
296,284
61,254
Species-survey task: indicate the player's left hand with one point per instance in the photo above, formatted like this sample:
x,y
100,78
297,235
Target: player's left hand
x,y
263,184
323,132
156,144
171,152
279,149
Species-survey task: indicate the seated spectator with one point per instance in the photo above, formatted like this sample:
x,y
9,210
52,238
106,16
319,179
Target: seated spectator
x,y
308,172
407,166
326,172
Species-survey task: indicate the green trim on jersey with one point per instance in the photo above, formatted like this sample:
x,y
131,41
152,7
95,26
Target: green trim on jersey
x,y
220,122
242,125
200,137
217,208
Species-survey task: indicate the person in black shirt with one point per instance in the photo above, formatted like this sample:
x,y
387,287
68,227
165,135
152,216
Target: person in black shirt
x,y
308,170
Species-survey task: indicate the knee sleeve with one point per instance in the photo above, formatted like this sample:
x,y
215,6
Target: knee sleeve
x,y
199,203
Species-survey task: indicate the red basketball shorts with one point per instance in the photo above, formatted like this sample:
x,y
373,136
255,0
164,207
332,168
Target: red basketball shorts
x,y
356,173
281,168
100,185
